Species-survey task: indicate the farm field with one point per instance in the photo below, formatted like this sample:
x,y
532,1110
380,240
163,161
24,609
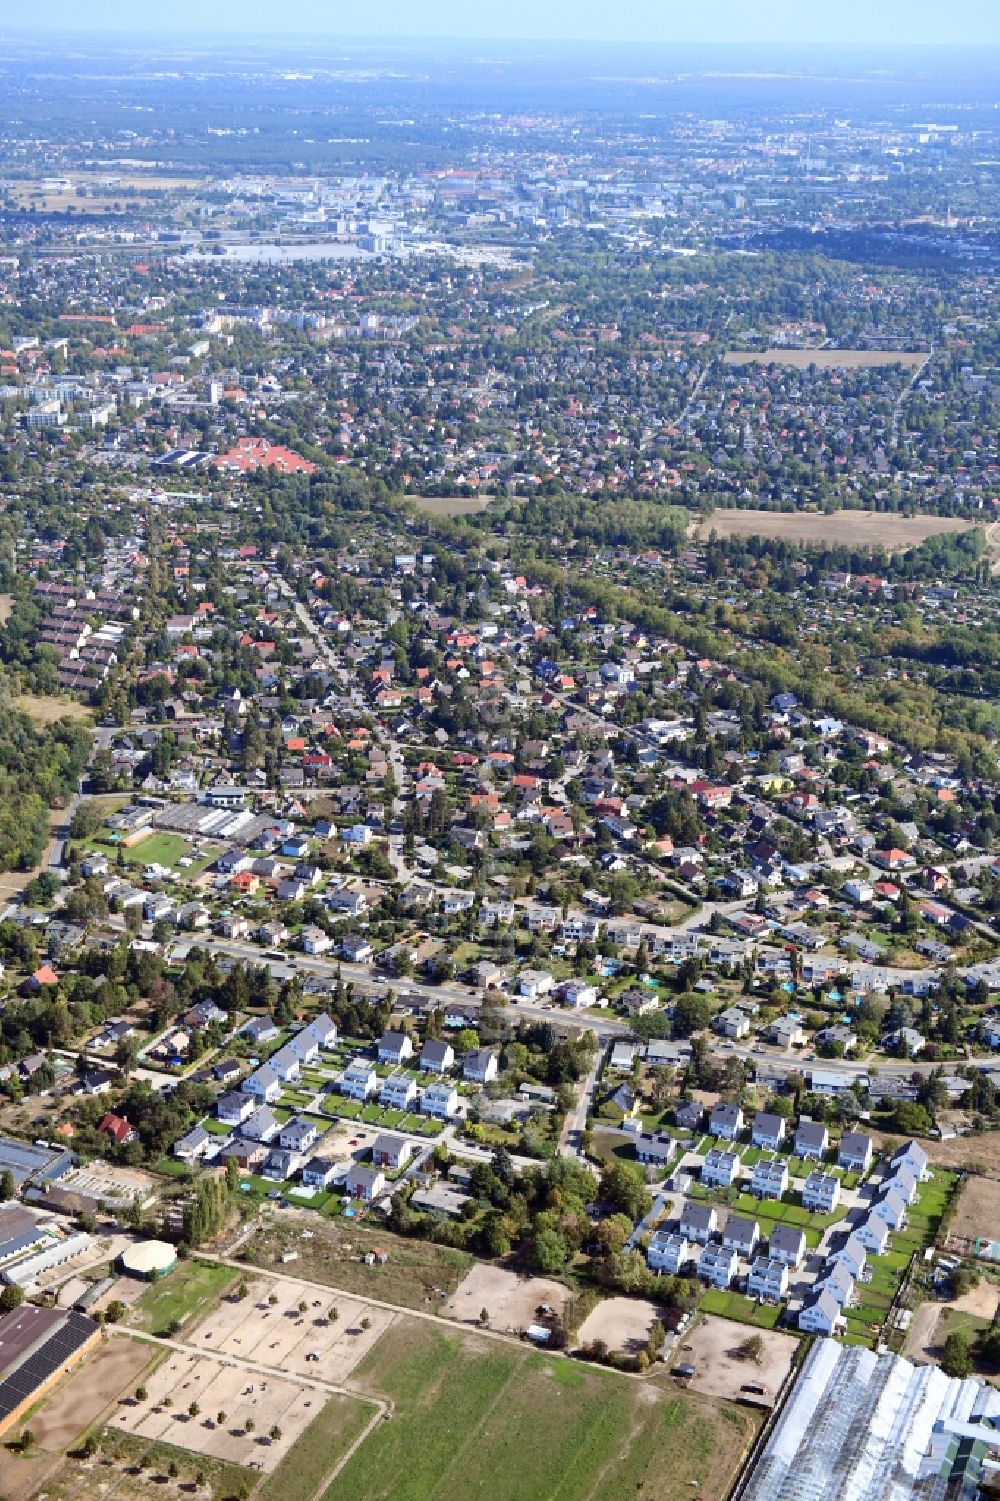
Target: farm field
x,y
827,359
190,1289
478,1418
875,529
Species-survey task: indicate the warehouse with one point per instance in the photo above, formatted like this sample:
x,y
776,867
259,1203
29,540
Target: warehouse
x,y
23,1273
37,1347
861,1427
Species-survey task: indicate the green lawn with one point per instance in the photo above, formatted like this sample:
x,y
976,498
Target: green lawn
x,y
473,1418
188,1291
743,1310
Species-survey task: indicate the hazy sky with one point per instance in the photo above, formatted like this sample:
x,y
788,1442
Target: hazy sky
x,y
892,22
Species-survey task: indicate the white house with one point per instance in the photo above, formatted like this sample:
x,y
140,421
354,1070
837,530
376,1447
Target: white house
x,y
837,1281
741,1235
364,1183
440,1101
398,1091
770,1178
236,1107
873,1233
726,1121
480,1066
532,983
811,1140
890,1208
720,1169
699,1222
263,1085
788,1244
855,1151
669,1252
437,1057
717,1265
395,1047
768,1279
821,1193
767,1130
853,1255
821,1315
359,1080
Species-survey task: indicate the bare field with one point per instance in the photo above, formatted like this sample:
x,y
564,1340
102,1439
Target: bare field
x,y
722,1372
977,1213
67,1412
842,528
979,1155
827,359
622,1323
511,1301
284,1335
268,1403
450,505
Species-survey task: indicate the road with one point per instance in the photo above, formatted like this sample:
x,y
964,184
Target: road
x,y
575,1122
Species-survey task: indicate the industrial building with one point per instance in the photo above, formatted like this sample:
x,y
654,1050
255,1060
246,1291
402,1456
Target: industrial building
x,y
864,1427
37,1347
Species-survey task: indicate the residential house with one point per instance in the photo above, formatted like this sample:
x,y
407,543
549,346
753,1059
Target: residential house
x,y
236,1107
669,1252
440,1101
398,1091
395,1047
298,1134
532,983
726,1121
699,1222
655,1150
359,1080
820,1315
741,1235
786,1032
733,1023
811,1140
769,1179
836,1280
194,1145
365,1183
855,1151
787,1243
873,1233
481,1066
821,1193
319,1172
891,1208
851,1254
717,1265
767,1131
768,1280
437,1057
391,1152
720,1169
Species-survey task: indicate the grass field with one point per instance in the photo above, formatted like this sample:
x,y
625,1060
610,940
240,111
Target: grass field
x,y
842,528
315,1453
186,1292
46,709
826,359
414,1276
473,1418
450,505
742,1310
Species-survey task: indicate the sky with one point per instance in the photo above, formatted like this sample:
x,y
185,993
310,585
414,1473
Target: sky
x,y
796,22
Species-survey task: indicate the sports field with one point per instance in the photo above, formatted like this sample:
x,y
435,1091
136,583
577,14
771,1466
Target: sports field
x,y
191,1288
477,1418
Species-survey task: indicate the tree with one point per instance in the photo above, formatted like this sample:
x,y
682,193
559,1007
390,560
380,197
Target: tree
x,y
692,1013
752,1348
193,1409
11,1297
27,1440
276,1432
7,1185
220,1418
484,1317
621,1186
956,1359
549,1251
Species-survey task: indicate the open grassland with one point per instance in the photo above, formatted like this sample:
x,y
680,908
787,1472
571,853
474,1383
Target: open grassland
x,y
450,505
827,359
478,1418
415,1275
192,1288
46,709
316,1452
977,1213
841,529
